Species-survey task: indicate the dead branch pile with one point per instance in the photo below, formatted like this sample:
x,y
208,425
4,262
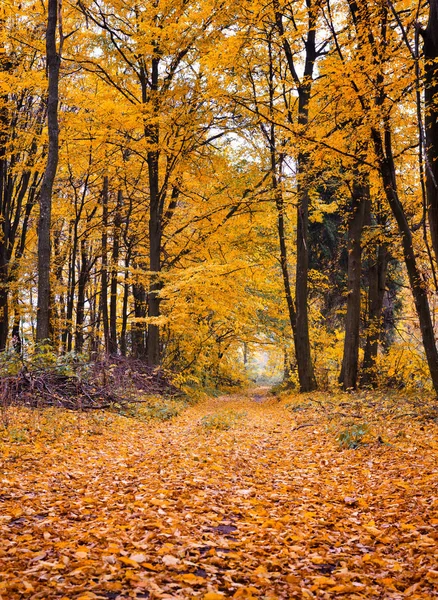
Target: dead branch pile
x,y
132,376
108,382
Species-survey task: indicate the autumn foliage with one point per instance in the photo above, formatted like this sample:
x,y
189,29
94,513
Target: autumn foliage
x,y
198,197
244,497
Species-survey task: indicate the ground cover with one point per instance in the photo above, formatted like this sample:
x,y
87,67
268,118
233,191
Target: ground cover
x,y
305,496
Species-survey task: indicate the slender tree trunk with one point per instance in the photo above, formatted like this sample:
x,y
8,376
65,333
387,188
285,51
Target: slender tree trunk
x,y
306,373
139,329
44,225
123,345
283,249
4,293
383,148
80,303
4,262
112,342
104,277
71,290
376,291
302,340
430,49
152,134
350,361
153,341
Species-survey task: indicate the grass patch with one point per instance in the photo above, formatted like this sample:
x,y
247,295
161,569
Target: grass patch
x,y
223,420
354,436
152,409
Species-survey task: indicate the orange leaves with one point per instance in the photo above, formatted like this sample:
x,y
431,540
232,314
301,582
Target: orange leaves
x,y
289,514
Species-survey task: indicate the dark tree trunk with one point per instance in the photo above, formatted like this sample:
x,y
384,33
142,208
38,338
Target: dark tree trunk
x,y
112,342
153,341
350,361
123,345
4,310
4,284
44,225
104,276
306,373
283,249
139,329
67,336
80,303
378,265
302,341
430,49
383,148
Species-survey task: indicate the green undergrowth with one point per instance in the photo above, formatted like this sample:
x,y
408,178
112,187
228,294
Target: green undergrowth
x,y
222,420
154,408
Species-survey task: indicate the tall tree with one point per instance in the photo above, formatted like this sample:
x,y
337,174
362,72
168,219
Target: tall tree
x,y
53,59
430,49
303,87
360,196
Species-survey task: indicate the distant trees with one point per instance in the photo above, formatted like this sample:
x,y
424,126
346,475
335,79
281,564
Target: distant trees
x,y
220,187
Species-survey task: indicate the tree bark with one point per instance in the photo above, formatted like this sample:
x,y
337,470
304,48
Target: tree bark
x,y
376,291
80,303
4,294
155,233
44,225
104,276
350,361
139,329
430,49
306,373
383,148
112,342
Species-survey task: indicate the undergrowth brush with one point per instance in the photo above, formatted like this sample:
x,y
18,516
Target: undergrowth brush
x,y
222,420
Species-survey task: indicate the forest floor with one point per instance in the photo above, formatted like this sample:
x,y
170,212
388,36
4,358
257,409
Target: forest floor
x,y
314,496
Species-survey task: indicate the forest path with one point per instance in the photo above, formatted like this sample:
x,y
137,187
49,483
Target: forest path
x,y
100,506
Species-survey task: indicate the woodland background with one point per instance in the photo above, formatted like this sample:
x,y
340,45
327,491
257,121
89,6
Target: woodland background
x,y
207,185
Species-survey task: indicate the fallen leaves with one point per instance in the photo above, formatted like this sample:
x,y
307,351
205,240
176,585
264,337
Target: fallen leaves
x,y
255,511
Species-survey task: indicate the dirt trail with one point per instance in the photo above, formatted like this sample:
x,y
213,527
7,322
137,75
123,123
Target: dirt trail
x,y
107,507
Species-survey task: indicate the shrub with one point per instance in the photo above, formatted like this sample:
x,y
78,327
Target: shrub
x,y
222,420
353,436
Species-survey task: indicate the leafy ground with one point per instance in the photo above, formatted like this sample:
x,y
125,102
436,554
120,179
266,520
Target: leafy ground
x,y
242,497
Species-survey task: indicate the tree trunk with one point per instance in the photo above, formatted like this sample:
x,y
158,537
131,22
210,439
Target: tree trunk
x,y
350,361
80,304
104,277
4,284
153,340
112,342
306,373
123,348
302,341
430,49
376,291
44,225
4,293
139,329
383,148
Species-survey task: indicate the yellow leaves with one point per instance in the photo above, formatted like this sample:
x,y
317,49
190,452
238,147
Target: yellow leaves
x,y
191,579
245,592
129,562
272,524
169,560
321,581
289,514
372,529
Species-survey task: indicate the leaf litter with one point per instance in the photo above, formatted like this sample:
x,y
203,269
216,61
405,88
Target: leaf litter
x,y
99,506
